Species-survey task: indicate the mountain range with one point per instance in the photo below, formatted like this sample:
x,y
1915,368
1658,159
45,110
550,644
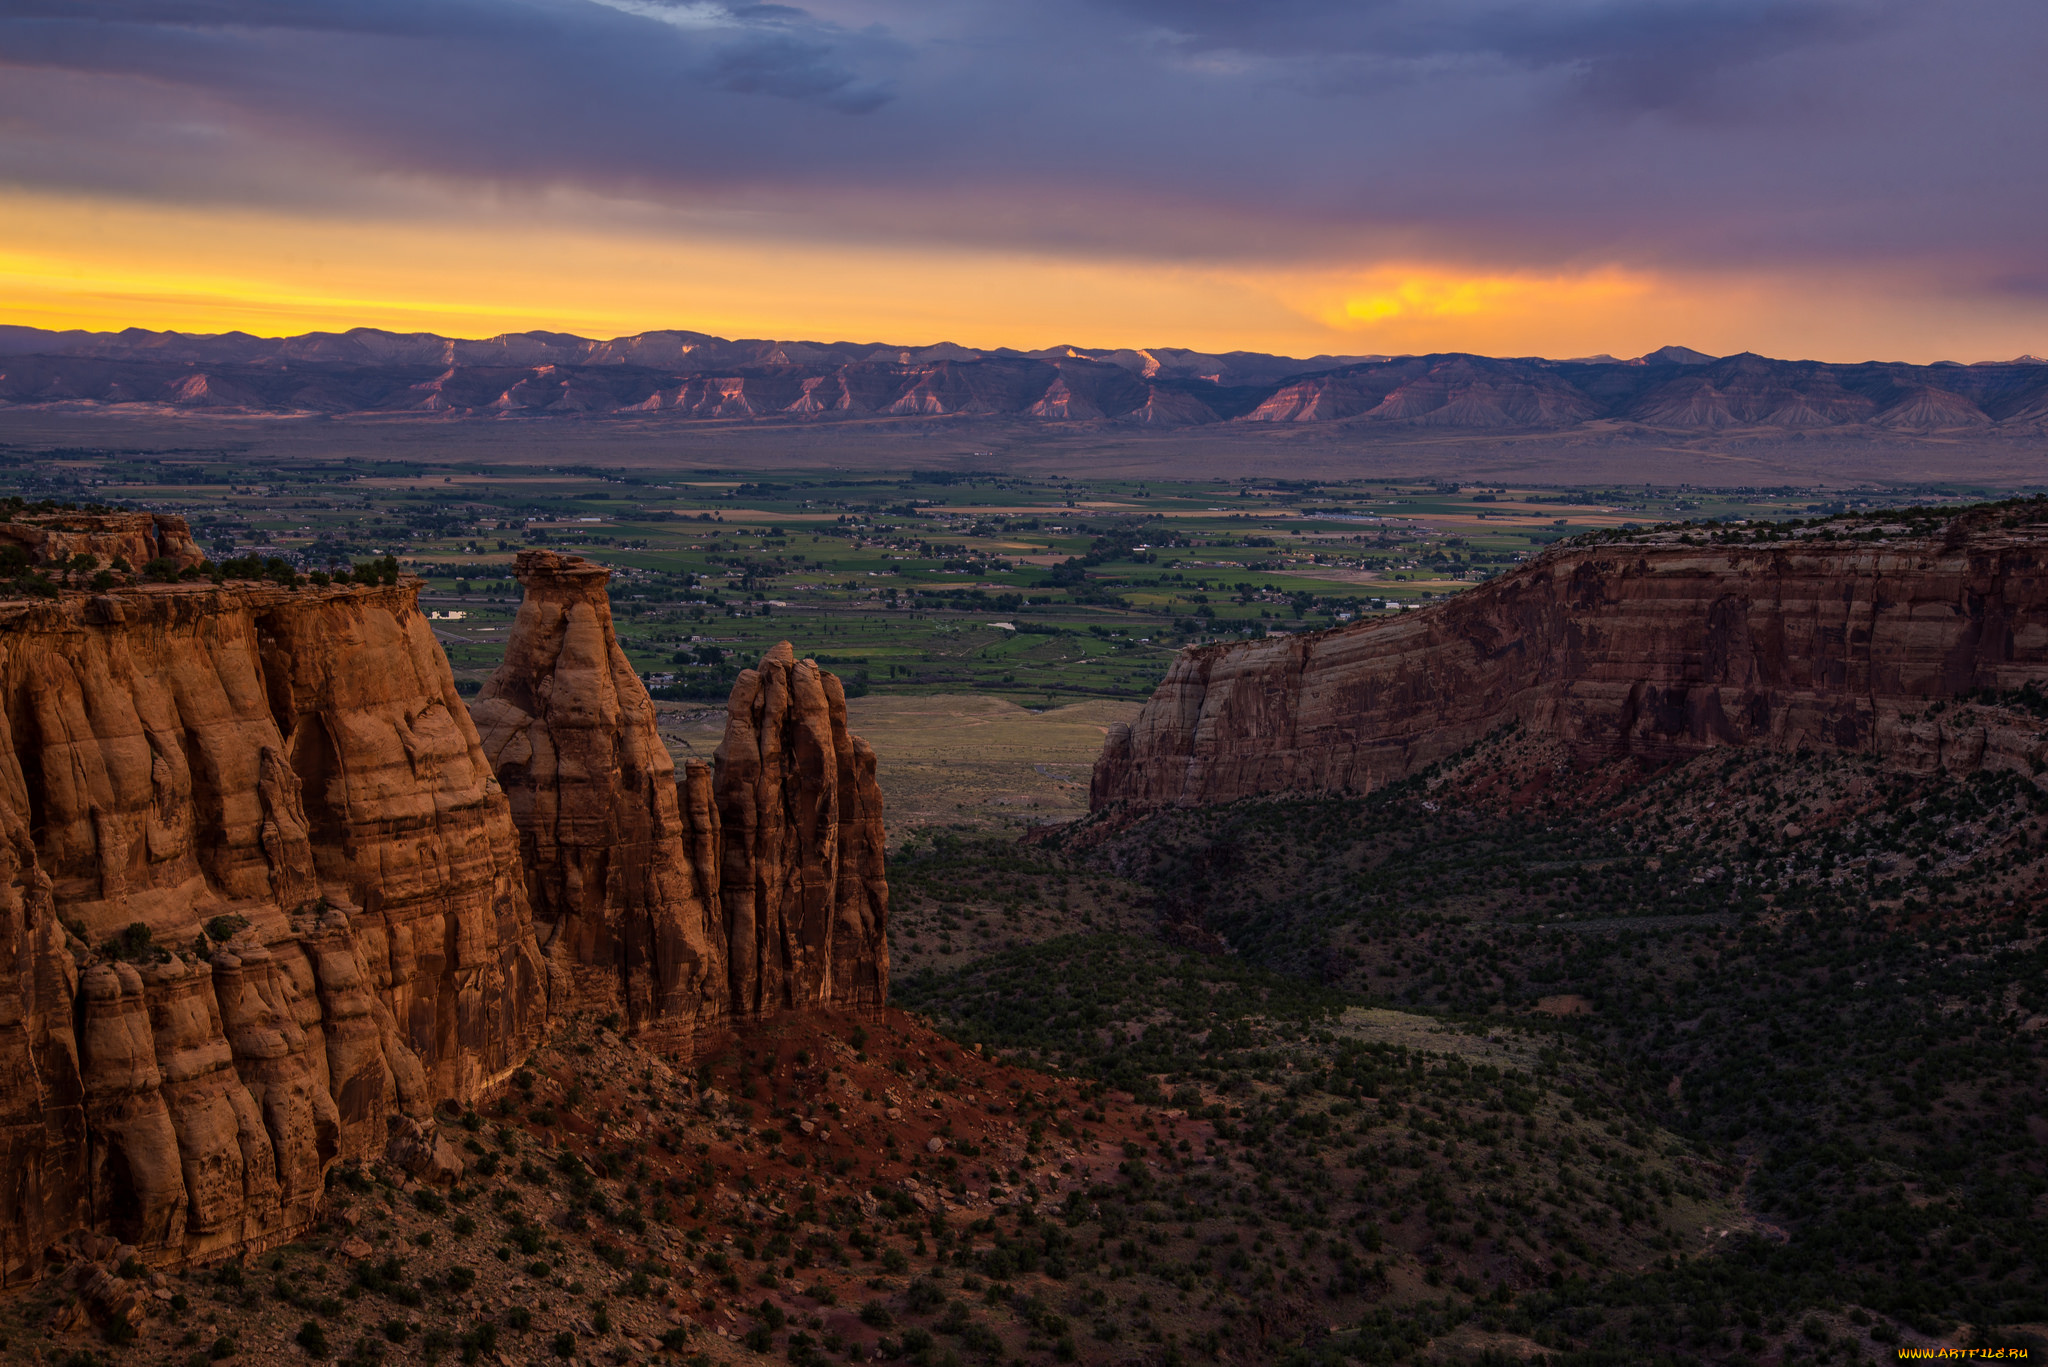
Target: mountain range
x,y
693,376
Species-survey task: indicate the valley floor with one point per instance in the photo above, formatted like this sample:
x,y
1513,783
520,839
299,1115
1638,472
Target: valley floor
x,y
1487,1067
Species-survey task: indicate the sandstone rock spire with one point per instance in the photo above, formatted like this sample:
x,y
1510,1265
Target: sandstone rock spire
x,y
805,891
748,887
620,867
264,904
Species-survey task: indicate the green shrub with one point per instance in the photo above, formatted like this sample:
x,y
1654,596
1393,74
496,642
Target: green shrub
x,y
477,1341
313,1338
136,945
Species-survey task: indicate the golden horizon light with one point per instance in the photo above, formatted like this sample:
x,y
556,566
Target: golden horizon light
x,y
102,263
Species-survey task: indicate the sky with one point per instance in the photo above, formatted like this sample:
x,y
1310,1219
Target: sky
x,y
1805,178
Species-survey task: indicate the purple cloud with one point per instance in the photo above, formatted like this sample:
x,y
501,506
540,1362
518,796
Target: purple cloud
x,y
1668,133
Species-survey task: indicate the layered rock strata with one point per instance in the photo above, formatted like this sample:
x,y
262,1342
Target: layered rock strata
x,y
805,891
1650,647
747,887
266,903
262,900
138,538
621,864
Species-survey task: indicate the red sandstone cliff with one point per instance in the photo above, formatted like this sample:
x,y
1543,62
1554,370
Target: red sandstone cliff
x,y
264,899
751,886
1649,647
138,538
293,771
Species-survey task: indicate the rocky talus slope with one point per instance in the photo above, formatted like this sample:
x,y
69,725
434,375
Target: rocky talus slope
x,y
753,885
1660,646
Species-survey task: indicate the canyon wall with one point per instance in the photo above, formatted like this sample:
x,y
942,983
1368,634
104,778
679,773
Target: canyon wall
x,y
750,886
1650,647
266,903
262,901
138,538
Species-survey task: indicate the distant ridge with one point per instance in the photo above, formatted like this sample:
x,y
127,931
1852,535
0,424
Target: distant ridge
x,y
693,351
1675,355
692,376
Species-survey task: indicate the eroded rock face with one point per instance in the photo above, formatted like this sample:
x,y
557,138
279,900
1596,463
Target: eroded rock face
x,y
622,871
751,886
292,772
264,900
805,890
1652,648
138,538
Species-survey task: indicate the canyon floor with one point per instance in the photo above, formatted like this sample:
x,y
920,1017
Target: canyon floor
x,y
834,1189
1471,1071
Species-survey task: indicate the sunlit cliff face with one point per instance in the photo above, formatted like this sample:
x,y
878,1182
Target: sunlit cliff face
x,y
1792,176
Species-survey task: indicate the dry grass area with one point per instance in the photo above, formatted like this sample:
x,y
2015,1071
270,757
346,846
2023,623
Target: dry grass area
x,y
966,761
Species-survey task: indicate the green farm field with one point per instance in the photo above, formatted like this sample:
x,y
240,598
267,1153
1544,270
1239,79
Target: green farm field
x,y
1039,589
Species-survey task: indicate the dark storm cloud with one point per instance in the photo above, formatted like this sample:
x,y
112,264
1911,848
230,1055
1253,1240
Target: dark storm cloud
x,y
1648,50
779,64
344,68
1675,131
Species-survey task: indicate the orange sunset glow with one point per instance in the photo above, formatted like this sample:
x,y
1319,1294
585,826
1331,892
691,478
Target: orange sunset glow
x,y
101,264
1318,179
1023,683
